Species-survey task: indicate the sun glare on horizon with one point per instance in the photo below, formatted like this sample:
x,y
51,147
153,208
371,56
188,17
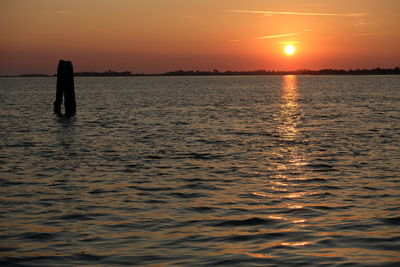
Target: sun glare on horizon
x,y
290,49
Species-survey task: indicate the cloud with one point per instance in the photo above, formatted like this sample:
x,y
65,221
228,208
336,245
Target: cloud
x,y
362,22
270,13
278,35
283,35
383,33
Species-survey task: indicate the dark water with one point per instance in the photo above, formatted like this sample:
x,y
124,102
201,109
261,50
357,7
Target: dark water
x,y
202,171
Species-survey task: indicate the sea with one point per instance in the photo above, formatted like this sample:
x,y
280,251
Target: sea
x,y
201,171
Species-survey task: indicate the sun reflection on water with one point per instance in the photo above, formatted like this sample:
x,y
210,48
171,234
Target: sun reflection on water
x,y
287,162
289,114
289,157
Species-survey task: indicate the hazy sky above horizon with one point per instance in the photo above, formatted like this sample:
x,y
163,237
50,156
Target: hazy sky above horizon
x,y
162,35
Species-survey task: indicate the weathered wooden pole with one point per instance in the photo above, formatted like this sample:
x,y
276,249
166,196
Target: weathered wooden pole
x,y
66,88
60,89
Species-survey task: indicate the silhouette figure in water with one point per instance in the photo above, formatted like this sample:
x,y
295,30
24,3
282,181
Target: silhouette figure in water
x,y
65,87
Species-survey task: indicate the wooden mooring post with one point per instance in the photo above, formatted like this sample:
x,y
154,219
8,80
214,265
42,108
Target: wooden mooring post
x,y
65,88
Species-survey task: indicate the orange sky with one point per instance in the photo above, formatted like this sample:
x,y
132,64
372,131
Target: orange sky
x,y
162,35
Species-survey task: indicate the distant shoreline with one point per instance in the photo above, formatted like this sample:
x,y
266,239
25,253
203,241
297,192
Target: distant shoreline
x,y
376,71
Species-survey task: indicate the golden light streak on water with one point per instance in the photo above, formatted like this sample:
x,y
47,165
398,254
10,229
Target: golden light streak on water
x,y
289,114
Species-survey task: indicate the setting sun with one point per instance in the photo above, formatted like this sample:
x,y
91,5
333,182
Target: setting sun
x,y
290,49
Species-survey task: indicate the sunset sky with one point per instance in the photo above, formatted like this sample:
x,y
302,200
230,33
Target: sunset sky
x,y
154,36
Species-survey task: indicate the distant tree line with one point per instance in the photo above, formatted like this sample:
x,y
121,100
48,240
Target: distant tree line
x,y
33,75
110,73
376,71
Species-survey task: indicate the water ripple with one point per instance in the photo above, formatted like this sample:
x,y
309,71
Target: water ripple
x,y
201,171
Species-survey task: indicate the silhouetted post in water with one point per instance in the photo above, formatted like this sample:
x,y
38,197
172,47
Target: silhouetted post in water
x,y
65,86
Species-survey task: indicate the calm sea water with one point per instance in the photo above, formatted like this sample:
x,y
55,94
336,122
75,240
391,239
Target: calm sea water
x,y
202,171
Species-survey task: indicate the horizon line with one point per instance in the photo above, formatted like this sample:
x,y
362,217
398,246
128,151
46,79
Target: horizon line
x,y
127,73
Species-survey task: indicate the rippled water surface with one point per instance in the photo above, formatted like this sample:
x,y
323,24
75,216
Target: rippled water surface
x,y
202,171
